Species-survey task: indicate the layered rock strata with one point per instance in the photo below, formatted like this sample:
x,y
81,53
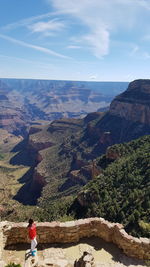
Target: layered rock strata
x,y
134,103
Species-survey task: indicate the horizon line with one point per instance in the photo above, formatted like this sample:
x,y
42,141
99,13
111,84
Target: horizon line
x,y
40,79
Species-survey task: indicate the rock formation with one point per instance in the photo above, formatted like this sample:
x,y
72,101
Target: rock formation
x,y
134,104
128,117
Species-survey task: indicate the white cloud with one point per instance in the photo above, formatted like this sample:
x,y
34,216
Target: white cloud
x,y
35,47
99,42
25,22
47,28
93,77
103,18
74,47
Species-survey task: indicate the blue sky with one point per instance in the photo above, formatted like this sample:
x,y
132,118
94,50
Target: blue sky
x,y
99,40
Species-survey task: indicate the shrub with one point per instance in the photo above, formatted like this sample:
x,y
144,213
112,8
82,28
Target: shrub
x,y
12,264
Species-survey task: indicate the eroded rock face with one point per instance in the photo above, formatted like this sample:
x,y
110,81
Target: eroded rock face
x,y
128,117
134,103
38,182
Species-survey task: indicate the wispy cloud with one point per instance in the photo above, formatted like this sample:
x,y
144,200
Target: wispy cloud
x,y
74,46
28,21
103,19
47,27
35,47
99,42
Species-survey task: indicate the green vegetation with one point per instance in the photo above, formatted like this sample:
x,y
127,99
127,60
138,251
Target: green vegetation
x,y
11,264
1,155
122,192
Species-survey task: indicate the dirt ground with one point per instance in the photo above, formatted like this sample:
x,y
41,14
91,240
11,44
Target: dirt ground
x,y
105,254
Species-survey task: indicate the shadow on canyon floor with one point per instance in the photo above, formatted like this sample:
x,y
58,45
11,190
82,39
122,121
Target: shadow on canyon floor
x,y
26,194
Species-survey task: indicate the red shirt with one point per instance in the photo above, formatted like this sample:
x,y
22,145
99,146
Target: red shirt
x,y
32,231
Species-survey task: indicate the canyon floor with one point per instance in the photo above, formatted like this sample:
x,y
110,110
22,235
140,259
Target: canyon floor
x,y
105,254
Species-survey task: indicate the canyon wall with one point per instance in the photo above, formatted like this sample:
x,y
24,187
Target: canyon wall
x,y
134,103
73,231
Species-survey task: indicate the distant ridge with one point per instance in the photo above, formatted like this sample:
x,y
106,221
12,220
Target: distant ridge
x,y
107,87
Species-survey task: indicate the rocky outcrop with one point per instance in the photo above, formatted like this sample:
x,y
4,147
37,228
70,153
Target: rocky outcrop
x,y
73,231
81,198
112,154
85,174
81,176
86,260
134,103
128,117
38,145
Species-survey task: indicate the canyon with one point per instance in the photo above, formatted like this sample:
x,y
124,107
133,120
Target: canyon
x,y
26,102
57,158
83,140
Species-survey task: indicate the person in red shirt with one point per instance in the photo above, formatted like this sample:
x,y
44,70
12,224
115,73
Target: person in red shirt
x,y
32,236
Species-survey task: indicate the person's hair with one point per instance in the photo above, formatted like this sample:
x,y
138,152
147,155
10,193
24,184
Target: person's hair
x,y
30,221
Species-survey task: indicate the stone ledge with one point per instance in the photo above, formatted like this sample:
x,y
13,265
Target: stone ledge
x,y
73,231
